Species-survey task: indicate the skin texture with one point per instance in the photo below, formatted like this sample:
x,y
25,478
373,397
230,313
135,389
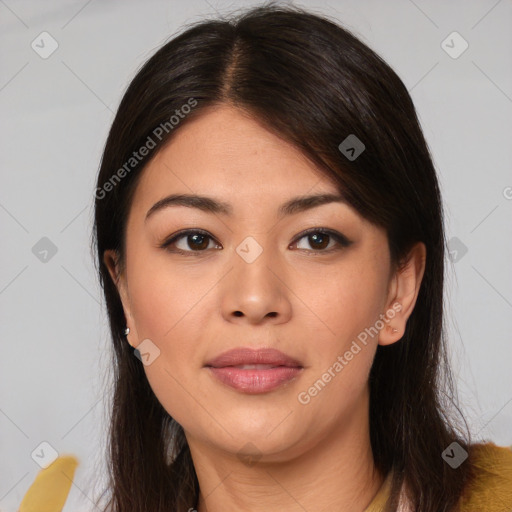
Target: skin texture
x,y
310,305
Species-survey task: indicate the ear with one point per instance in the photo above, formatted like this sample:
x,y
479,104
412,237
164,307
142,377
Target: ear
x,y
111,260
402,295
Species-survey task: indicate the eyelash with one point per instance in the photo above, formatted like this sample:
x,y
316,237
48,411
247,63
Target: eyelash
x,y
340,239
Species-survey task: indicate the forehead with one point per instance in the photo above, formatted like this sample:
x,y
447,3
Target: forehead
x,y
226,152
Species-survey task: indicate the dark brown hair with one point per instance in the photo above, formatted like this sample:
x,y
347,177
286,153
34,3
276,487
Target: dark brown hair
x,y
312,83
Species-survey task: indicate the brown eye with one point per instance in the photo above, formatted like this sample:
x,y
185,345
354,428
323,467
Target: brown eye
x,y
196,241
318,240
191,241
321,240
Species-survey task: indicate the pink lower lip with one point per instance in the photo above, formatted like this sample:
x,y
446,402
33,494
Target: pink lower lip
x,y
255,381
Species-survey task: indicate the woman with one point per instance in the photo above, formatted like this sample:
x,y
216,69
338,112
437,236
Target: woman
x,y
269,235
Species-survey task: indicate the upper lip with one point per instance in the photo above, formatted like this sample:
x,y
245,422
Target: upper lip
x,y
243,355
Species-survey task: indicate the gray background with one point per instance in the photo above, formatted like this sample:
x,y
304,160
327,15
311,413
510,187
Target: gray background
x,y
55,116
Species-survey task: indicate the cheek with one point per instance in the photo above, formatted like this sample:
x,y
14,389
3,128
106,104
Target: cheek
x,y
170,307
165,296
347,301
166,306
349,306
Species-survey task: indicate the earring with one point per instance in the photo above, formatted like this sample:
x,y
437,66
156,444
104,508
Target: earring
x,y
394,330
127,331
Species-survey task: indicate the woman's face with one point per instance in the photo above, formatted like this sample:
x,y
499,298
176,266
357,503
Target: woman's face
x,y
253,282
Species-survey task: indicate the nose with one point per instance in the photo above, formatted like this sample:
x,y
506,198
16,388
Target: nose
x,y
255,291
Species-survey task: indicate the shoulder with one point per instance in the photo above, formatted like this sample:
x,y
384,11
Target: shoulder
x,y
491,489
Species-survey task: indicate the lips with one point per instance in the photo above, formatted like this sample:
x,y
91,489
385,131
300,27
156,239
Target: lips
x,y
253,371
253,359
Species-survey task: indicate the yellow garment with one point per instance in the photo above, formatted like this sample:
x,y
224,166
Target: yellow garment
x,y
490,492
50,489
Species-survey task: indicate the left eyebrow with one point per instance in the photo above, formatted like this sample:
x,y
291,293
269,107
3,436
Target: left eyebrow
x,y
212,205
